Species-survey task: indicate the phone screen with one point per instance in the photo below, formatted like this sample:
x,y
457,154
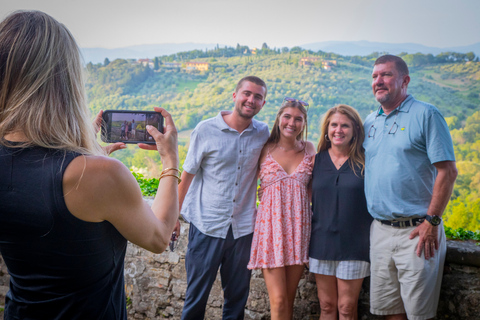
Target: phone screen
x,y
130,126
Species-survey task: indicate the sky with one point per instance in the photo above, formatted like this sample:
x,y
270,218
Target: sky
x,y
278,23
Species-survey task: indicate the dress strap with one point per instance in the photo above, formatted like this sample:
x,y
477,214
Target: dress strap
x,y
306,154
268,151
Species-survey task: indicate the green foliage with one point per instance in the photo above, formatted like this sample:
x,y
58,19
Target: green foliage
x,y
463,210
118,78
148,186
461,234
129,302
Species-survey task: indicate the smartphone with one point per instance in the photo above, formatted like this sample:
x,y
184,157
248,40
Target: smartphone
x,y
129,126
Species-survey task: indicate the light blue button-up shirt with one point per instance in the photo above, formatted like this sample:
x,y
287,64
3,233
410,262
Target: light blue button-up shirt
x,y
223,191
399,158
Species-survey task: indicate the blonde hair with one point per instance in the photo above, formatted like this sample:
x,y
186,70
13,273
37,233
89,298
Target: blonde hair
x,y
275,134
42,93
356,153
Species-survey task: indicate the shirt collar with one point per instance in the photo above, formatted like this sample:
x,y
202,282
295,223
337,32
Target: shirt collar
x,y
403,107
222,125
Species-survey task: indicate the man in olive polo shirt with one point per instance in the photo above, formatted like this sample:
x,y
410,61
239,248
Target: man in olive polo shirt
x,y
409,176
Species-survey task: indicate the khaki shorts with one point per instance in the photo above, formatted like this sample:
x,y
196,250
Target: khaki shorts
x,y
401,282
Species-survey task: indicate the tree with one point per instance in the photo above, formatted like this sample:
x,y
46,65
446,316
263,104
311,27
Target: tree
x,y
296,50
470,56
90,66
156,63
106,62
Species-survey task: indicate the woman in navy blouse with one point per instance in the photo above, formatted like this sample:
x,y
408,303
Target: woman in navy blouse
x,y
339,244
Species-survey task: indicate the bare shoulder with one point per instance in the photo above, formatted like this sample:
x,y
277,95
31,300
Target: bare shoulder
x,y
94,171
311,151
97,182
310,148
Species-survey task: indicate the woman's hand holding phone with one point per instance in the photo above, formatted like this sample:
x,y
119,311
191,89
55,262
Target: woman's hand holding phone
x,y
166,141
97,125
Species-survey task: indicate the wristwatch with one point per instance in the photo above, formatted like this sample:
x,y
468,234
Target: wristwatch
x,y
434,220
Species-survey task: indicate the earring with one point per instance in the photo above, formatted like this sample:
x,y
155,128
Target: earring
x,y
326,138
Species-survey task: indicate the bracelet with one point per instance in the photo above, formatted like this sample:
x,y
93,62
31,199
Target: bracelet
x,y
169,169
170,175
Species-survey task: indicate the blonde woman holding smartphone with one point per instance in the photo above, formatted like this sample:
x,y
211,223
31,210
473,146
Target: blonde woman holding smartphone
x,y
67,210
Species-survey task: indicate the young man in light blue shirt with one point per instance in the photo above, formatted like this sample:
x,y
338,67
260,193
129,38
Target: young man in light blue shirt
x,y
217,197
409,176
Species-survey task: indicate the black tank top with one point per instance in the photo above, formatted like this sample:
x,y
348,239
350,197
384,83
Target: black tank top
x,y
60,266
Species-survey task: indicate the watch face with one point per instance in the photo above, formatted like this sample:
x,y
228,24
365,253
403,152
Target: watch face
x,y
436,220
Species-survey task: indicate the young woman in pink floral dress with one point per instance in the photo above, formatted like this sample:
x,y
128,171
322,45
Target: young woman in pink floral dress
x,y
282,228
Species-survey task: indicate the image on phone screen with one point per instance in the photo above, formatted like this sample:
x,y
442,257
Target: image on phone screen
x,y
130,126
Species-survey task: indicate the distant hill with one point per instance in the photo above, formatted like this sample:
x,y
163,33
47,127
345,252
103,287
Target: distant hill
x,y
345,48
98,55
363,48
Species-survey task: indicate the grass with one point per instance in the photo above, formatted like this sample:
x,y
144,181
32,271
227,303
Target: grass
x,y
190,85
459,83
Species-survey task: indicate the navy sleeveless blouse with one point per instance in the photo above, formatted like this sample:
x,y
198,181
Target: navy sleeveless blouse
x,y
340,221
60,266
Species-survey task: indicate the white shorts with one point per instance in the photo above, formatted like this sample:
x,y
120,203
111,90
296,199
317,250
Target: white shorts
x,y
345,270
400,281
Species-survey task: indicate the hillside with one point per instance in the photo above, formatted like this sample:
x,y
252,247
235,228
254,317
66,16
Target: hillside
x,y
448,81
191,97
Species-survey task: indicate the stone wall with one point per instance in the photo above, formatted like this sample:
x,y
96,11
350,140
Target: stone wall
x,y
156,285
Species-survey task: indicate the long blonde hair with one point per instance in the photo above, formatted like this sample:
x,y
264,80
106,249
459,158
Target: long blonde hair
x,y
356,153
42,93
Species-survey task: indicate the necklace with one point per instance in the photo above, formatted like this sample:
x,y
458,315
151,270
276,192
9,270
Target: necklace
x,y
339,164
337,161
295,147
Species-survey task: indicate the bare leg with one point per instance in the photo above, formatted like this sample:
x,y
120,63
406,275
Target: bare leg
x,y
348,292
327,295
294,273
275,279
282,285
